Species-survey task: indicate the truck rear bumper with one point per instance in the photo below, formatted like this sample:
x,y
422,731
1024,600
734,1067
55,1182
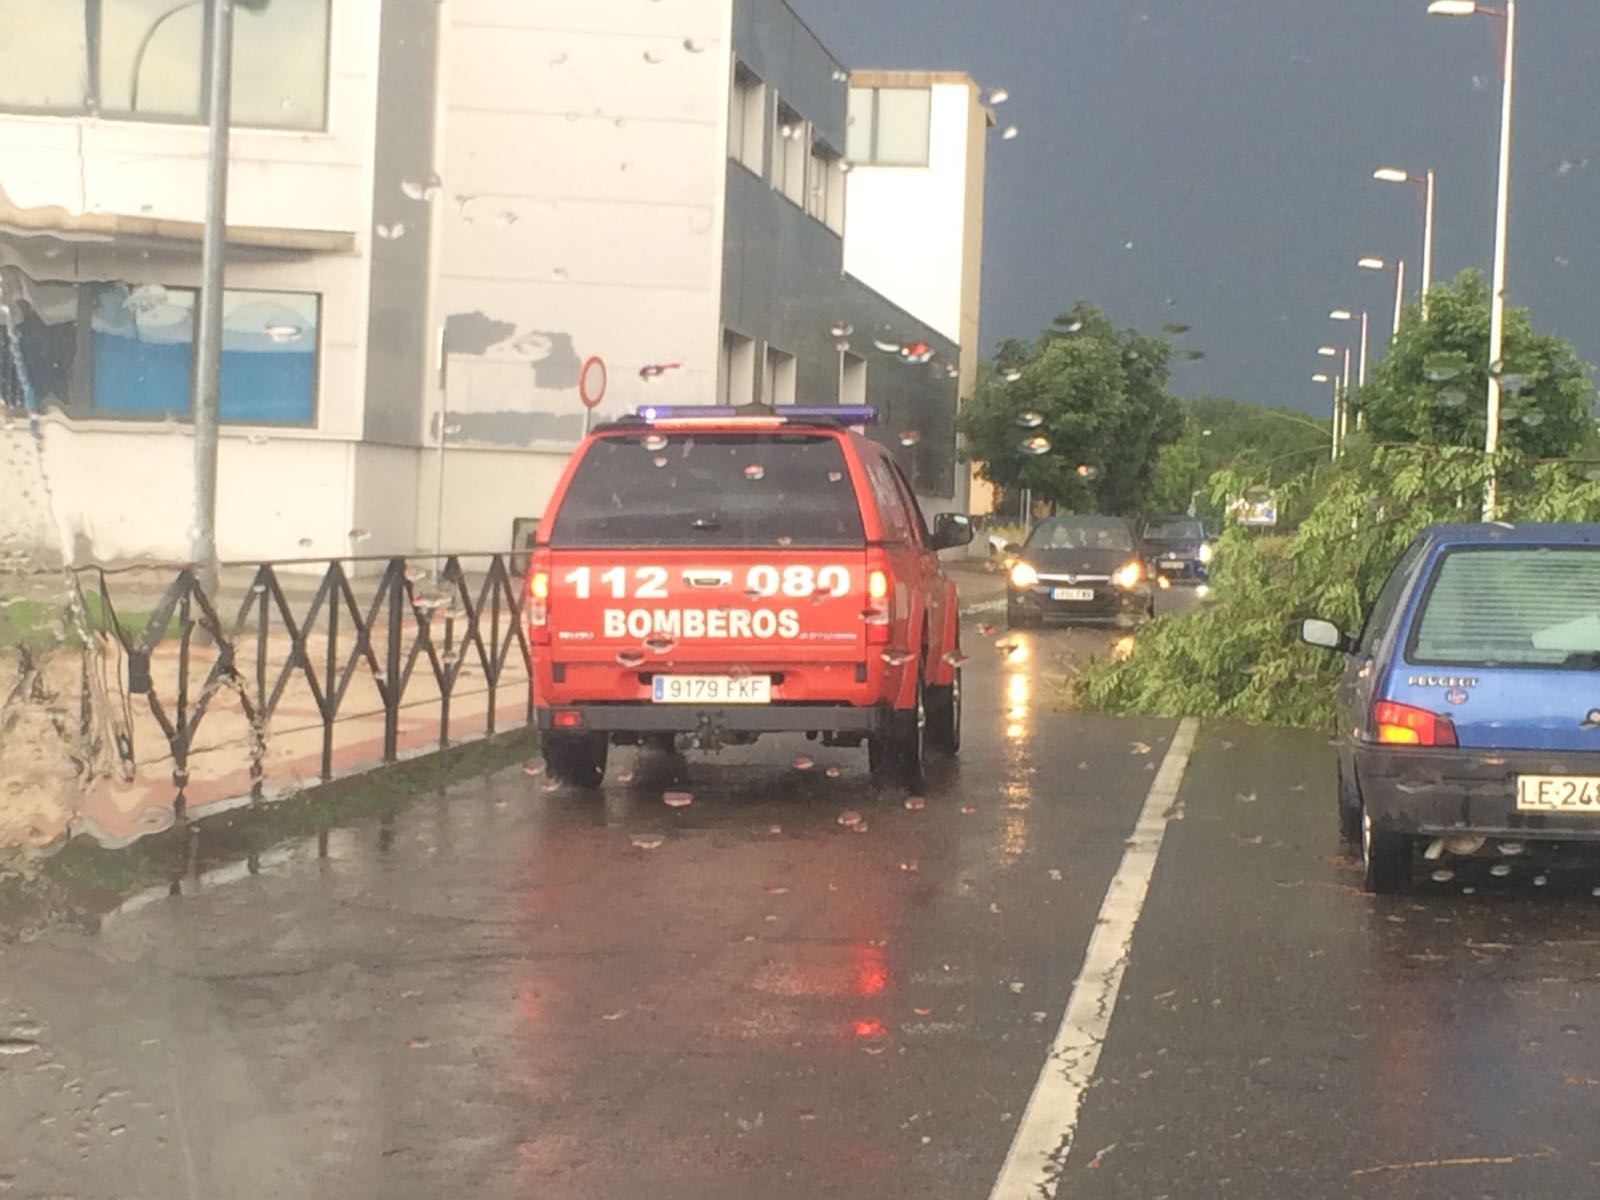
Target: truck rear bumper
x,y
731,719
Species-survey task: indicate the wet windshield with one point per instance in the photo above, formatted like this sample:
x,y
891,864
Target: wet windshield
x,y
726,599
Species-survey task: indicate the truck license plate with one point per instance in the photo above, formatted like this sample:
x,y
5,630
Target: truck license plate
x,y
712,689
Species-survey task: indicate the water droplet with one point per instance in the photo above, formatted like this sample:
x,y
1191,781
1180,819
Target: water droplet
x,y
1540,880
359,535
694,45
389,232
1011,374
1533,417
1017,986
654,57
876,615
282,332
886,346
1500,870
559,274
1085,471
423,188
654,441
849,818
956,659
896,658
1036,445
1128,245
915,804
842,329
1031,420
660,460
629,658
832,772
967,810
677,799
13,1047
647,841
1513,384
659,644
804,763
1452,398
909,437
1009,133
1441,368
505,218
559,57
532,769
755,471
305,543
836,476
1443,875
625,777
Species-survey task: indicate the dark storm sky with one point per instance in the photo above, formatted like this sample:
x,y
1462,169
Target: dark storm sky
x,y
1233,142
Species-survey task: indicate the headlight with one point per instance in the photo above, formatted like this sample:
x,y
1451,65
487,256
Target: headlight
x,y
1128,575
1206,551
1023,575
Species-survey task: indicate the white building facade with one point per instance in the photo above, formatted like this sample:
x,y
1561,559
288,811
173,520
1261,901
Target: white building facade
x,y
447,224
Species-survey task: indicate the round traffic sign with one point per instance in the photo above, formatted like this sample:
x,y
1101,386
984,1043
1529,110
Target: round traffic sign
x,y
592,381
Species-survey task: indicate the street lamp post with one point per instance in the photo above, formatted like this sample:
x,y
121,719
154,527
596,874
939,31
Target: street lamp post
x,y
1424,181
1329,377
1345,314
1373,263
1497,294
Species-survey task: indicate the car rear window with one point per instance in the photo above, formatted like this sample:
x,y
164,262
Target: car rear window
x,y
710,489
1177,529
1511,606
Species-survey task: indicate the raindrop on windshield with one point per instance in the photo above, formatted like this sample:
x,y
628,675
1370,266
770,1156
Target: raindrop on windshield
x,y
1533,417
653,57
1037,445
1443,875
659,643
424,188
629,658
1441,368
803,763
896,658
1500,870
1011,374
842,345
832,772
1010,132
505,218
842,329
282,332
677,799
849,818
887,347
694,45
654,441
909,437
647,841
1031,420
390,232
305,543
956,659
915,804
1513,384
1452,398
875,616
1085,471
660,460
755,471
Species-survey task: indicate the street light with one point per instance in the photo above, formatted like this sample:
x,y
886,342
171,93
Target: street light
x,y
1497,294
1344,314
1371,263
1425,182
1326,377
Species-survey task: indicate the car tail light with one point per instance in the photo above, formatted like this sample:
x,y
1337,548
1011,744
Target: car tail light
x,y
879,613
567,718
1402,725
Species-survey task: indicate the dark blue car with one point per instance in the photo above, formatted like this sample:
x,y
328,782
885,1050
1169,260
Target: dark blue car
x,y
1469,711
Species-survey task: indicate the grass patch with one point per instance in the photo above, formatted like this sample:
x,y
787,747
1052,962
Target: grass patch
x,y
40,625
85,880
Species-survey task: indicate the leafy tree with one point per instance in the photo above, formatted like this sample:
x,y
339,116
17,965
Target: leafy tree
x,y
1078,417
1221,434
1431,387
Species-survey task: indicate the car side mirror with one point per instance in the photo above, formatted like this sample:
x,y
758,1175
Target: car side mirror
x,y
1325,635
951,530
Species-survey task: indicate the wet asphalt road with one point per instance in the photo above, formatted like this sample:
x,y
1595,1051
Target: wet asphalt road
x,y
517,992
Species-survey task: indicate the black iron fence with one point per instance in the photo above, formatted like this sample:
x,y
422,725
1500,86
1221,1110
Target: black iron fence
x,y
342,630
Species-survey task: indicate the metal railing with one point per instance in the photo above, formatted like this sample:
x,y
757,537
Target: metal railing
x,y
454,620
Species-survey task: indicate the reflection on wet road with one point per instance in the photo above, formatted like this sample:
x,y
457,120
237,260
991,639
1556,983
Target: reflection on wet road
x,y
753,974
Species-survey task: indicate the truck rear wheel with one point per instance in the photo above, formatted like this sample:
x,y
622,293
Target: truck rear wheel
x,y
577,759
898,755
944,715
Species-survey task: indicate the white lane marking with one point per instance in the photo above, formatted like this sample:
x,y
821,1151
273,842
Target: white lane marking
x,y
1038,1155
983,606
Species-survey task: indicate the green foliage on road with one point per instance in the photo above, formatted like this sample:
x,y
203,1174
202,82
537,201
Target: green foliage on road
x,y
1431,386
1093,401
1240,656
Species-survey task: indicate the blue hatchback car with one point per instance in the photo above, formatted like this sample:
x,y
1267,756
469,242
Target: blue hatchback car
x,y
1469,710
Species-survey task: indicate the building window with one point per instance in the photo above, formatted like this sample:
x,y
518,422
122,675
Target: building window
x,y
777,385
747,119
142,354
142,59
736,380
825,187
852,378
791,151
889,127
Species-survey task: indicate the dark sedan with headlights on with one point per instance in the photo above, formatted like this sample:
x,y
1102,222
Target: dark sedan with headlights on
x,y
1180,548
1079,569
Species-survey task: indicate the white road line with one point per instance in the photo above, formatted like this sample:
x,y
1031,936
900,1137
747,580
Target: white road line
x,y
983,606
1038,1155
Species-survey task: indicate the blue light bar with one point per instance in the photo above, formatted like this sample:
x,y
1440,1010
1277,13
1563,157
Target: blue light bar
x,y
845,414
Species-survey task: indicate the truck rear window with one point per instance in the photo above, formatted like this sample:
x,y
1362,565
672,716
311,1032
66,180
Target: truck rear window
x,y
1515,606
710,489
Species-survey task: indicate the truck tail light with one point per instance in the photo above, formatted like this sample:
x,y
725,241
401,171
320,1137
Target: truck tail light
x,y
539,602
1403,725
879,613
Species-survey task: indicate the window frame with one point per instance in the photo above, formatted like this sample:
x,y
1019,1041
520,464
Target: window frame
x,y
748,101
874,128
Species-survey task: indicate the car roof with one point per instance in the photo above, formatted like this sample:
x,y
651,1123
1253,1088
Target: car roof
x,y
1500,533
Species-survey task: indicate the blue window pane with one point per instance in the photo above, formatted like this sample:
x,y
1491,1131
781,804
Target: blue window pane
x,y
143,349
269,358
